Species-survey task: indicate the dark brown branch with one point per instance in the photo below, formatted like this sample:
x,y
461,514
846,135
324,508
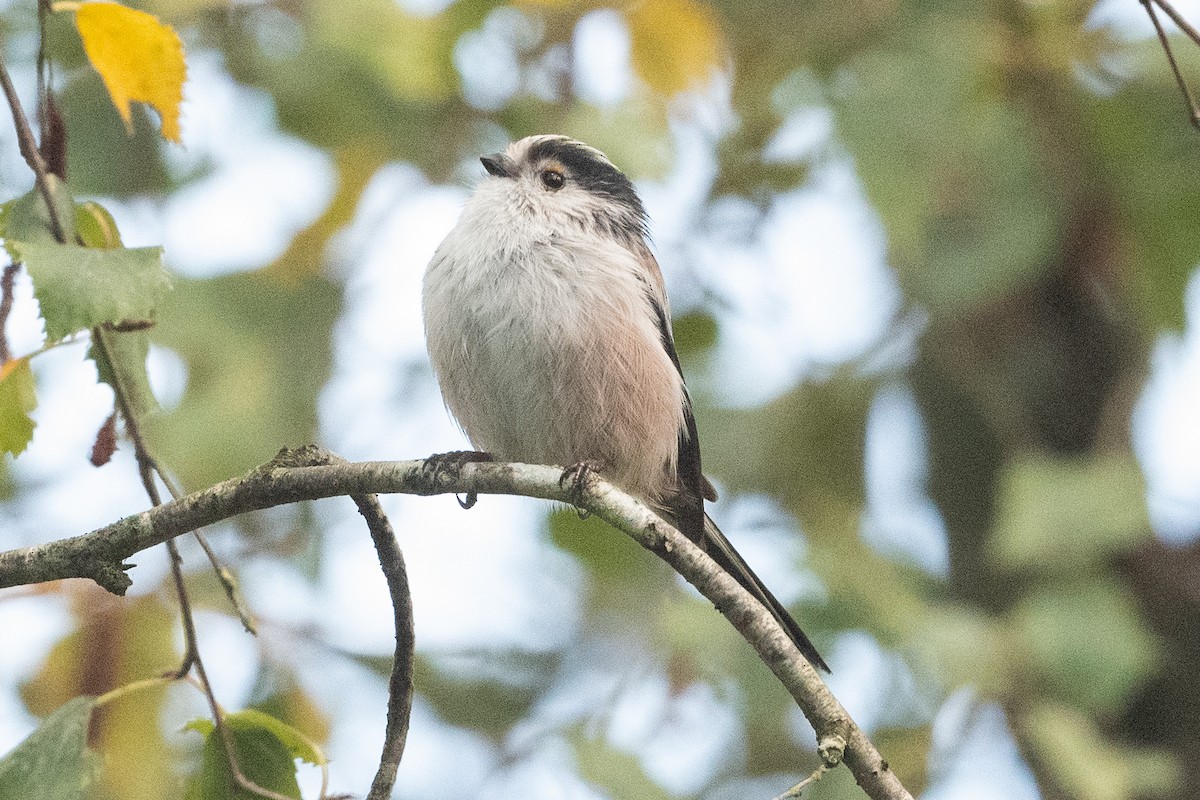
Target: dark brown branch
x,y
31,154
101,554
400,684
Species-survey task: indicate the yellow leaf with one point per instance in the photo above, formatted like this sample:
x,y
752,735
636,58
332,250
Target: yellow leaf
x,y
677,44
138,57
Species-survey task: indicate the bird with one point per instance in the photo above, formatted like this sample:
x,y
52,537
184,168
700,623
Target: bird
x,y
549,332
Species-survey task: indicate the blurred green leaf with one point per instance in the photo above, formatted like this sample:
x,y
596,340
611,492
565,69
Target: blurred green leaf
x,y
17,399
95,226
904,747
956,184
694,333
805,448
263,757
257,350
606,552
299,745
1142,138
79,287
408,54
490,699
1086,765
1063,515
966,647
628,588
292,705
388,82
102,159
619,772
1087,640
54,762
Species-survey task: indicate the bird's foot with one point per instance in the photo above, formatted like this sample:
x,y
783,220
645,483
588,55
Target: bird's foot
x,y
437,466
575,478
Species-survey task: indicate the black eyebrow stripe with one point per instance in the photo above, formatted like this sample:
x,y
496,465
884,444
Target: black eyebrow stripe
x,y
593,172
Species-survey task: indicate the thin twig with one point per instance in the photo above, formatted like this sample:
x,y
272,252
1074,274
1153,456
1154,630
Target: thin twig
x,y
223,574
218,714
400,684
1193,110
795,791
7,283
42,88
29,151
1178,19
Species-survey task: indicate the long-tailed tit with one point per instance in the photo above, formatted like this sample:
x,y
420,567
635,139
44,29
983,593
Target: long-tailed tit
x,y
547,324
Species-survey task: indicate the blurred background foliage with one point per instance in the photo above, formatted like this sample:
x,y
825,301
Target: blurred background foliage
x,y
1030,178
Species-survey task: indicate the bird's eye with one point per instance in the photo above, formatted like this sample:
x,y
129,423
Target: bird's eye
x,y
552,179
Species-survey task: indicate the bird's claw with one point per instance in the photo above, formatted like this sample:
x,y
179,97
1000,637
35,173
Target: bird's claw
x,y
441,463
437,466
576,476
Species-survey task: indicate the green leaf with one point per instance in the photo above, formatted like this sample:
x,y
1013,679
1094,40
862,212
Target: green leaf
x,y
126,368
17,399
54,762
1141,137
79,287
695,332
1063,515
103,158
201,725
26,219
610,556
96,227
266,750
803,448
299,745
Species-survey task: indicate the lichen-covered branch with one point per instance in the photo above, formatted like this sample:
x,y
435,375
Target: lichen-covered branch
x,y
103,553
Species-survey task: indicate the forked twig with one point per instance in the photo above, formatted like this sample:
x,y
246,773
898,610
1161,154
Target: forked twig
x,y
1192,33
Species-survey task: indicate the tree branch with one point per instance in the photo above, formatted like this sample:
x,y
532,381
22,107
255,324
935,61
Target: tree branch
x,y
101,556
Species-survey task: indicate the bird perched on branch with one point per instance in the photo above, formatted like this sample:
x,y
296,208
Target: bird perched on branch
x,y
547,324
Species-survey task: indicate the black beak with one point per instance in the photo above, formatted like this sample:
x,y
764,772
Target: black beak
x,y
499,165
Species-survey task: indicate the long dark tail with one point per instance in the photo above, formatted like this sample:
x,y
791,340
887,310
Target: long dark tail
x,y
722,552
